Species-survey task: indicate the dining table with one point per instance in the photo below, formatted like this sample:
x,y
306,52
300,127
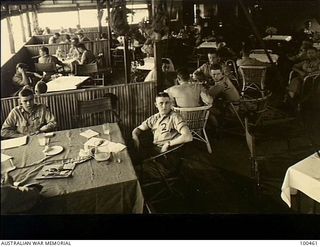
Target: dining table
x,y
277,37
63,83
148,64
208,44
304,176
107,186
262,57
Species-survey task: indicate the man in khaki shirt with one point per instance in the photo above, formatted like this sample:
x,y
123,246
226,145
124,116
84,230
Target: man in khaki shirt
x,y
168,128
28,118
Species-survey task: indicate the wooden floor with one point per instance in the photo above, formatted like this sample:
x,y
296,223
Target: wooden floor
x,y
221,183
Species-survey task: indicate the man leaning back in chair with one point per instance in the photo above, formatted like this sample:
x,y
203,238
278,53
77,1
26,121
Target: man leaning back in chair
x,y
167,126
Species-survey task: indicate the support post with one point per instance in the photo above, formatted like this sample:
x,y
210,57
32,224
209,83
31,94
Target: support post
x,y
157,64
255,30
35,18
109,57
99,17
28,23
127,61
22,26
11,40
78,14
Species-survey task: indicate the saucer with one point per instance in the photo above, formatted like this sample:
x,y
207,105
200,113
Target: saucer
x,y
101,156
53,150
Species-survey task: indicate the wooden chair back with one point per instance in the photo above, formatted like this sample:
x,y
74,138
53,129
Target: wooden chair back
x,y
45,67
97,111
86,69
92,71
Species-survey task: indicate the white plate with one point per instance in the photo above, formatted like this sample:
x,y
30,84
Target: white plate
x,y
101,156
53,150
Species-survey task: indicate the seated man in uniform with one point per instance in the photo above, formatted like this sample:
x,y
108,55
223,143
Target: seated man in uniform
x,y
307,67
81,37
23,78
55,39
168,128
223,88
168,74
86,56
28,118
203,72
46,58
186,94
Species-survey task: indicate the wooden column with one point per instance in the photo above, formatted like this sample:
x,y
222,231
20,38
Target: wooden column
x,y
153,8
11,40
28,24
255,30
35,18
149,3
109,57
22,26
127,61
99,17
157,63
78,14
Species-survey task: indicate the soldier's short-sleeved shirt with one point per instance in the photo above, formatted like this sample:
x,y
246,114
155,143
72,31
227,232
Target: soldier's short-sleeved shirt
x,y
164,128
20,121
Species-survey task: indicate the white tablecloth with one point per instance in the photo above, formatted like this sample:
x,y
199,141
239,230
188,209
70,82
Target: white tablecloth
x,y
148,64
66,83
208,44
303,176
278,37
264,58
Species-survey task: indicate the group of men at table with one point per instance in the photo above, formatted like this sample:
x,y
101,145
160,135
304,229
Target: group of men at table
x,y
29,118
168,127
77,54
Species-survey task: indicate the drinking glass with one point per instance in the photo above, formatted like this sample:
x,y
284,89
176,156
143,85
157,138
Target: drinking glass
x,y
106,129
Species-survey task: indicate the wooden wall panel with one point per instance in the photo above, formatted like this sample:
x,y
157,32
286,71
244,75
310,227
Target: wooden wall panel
x,y
85,29
135,104
44,39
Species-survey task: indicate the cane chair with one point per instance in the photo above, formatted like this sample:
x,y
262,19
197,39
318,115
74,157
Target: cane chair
x,y
92,71
234,72
308,87
253,77
253,108
196,119
96,111
234,112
